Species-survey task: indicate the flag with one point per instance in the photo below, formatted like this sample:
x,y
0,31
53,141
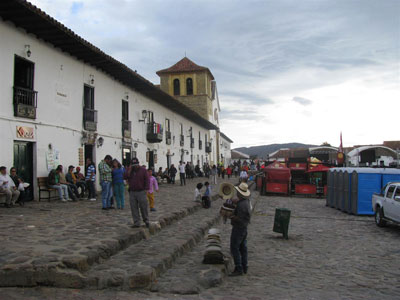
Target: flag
x,y
341,143
340,156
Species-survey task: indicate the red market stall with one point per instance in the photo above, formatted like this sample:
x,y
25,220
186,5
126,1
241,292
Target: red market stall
x,y
277,178
318,177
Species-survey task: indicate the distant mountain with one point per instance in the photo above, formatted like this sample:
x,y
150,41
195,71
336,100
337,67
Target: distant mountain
x,y
262,151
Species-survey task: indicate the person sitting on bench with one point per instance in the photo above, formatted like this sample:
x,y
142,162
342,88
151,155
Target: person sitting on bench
x,y
8,187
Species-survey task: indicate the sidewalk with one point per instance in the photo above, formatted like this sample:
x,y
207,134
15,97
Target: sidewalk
x,y
43,237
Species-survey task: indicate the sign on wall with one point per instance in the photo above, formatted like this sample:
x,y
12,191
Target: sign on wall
x,y
25,132
52,159
81,157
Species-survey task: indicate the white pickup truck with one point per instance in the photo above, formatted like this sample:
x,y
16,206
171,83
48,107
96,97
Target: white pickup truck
x,y
386,205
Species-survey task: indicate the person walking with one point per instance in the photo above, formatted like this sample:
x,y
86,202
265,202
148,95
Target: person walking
x,y
153,186
239,221
214,174
138,180
90,179
182,174
172,173
105,173
118,183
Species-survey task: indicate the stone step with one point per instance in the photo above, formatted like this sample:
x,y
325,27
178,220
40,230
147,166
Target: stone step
x,y
198,276
139,265
50,271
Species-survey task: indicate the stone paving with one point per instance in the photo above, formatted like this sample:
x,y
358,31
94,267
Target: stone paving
x,y
329,255
51,243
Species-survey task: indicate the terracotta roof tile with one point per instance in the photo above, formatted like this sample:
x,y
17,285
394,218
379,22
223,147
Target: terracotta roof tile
x,y
184,65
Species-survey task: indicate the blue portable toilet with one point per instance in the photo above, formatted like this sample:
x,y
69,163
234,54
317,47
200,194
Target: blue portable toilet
x,y
330,189
347,190
364,182
334,189
339,196
390,175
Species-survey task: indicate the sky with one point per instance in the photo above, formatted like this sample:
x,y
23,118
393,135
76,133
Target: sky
x,y
286,71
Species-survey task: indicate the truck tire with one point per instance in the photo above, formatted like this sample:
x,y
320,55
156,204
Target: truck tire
x,y
379,221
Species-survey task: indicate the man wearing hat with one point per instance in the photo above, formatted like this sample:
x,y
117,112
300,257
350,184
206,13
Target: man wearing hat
x,y
239,220
138,180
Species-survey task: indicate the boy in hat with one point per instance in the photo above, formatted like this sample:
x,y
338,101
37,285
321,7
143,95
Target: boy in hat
x,y
239,220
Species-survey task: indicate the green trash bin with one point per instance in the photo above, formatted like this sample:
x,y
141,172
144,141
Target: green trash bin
x,y
281,221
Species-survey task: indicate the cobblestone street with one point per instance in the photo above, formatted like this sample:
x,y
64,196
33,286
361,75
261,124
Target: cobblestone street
x,y
329,254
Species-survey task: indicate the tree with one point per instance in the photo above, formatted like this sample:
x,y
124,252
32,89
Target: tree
x,y
326,144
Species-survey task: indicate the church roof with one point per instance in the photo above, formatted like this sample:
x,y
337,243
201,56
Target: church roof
x,y
185,65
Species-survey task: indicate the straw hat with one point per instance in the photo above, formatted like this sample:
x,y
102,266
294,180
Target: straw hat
x,y
243,189
226,190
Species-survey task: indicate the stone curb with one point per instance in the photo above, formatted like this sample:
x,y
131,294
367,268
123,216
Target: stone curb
x,y
145,273
47,272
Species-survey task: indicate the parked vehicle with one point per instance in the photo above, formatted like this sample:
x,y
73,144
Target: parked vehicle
x,y
386,205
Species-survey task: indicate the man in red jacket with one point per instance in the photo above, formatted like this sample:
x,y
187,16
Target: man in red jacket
x,y
138,180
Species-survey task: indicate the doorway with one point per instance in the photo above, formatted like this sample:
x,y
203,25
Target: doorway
x,y
89,154
23,162
151,160
168,161
126,156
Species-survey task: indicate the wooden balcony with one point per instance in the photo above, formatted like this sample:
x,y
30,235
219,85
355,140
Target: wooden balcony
x,y
25,103
90,119
191,142
168,139
154,133
126,129
208,147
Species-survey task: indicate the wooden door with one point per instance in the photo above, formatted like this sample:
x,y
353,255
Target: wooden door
x,y
23,162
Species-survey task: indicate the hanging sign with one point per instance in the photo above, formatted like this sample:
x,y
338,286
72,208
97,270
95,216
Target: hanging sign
x,y
25,132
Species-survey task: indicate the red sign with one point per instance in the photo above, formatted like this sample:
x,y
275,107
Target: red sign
x,y
25,132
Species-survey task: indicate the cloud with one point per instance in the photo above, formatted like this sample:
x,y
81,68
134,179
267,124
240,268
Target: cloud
x,y
341,54
76,7
302,101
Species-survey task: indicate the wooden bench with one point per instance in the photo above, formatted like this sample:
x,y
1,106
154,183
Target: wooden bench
x,y
43,187
3,197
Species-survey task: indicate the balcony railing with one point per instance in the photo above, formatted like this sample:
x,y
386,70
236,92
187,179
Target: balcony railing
x,y
200,144
154,132
168,137
90,119
191,142
182,140
25,102
208,147
126,128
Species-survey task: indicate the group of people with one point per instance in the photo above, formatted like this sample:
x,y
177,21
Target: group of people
x,y
13,186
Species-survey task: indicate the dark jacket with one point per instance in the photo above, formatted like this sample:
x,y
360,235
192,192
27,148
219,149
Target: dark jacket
x,y
241,215
51,180
172,171
138,180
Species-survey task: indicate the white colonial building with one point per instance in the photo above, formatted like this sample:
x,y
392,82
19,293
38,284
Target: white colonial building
x,y
64,100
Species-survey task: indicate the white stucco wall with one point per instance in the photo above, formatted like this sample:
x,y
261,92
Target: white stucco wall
x,y
59,81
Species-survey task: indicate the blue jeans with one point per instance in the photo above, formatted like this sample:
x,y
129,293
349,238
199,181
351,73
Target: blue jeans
x,y
239,247
119,193
106,193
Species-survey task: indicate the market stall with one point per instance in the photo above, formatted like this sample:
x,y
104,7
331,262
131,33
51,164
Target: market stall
x,y
318,180
277,178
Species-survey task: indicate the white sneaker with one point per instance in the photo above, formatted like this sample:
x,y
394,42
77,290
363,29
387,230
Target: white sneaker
x,y
69,199
64,200
92,199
